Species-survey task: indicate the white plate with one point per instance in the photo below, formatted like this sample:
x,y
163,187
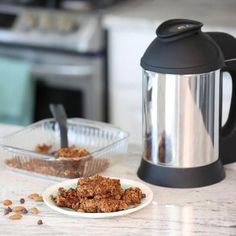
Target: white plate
x,y
125,183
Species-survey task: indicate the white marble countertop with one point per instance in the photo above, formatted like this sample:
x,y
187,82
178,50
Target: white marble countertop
x,y
201,211
215,14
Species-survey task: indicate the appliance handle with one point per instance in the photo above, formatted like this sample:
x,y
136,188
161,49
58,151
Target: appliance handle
x,y
61,70
227,137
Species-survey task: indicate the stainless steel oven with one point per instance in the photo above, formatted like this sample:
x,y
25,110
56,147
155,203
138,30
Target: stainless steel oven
x,y
67,57
77,81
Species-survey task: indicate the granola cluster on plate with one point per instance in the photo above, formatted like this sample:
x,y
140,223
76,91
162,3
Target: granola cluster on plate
x,y
98,194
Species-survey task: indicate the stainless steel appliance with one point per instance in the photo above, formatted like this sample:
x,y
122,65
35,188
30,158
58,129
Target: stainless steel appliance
x,y
86,4
68,4
67,53
183,142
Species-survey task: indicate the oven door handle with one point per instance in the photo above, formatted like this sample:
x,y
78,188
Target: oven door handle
x,y
61,70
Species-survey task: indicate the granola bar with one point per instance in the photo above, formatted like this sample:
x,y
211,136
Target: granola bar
x,y
99,194
133,196
102,205
99,187
66,198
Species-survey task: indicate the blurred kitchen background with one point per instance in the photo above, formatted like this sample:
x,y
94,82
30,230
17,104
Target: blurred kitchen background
x,y
85,54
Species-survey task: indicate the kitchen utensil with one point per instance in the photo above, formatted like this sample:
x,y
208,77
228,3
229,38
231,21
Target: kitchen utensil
x,y
59,114
184,144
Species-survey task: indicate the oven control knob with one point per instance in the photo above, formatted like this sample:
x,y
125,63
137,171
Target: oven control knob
x,y
66,25
46,23
27,22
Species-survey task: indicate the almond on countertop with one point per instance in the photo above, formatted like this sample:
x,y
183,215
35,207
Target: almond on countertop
x,y
33,195
7,202
19,208
15,217
34,210
38,199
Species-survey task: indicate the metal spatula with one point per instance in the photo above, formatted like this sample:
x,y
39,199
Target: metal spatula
x,y
59,114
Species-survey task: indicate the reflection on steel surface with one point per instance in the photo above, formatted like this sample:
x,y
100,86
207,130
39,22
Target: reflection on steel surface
x,y
181,119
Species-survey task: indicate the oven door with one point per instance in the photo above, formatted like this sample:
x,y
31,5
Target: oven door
x,y
76,81
69,85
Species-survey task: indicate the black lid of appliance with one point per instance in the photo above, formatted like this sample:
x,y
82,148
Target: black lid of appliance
x,y
182,48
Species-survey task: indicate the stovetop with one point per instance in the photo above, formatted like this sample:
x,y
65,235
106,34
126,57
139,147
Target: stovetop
x,y
78,31
39,3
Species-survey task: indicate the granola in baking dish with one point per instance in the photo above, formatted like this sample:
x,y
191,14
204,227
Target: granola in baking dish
x,y
98,194
43,148
72,152
71,162
68,152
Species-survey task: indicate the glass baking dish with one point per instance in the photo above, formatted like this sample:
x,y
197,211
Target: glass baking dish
x,y
102,140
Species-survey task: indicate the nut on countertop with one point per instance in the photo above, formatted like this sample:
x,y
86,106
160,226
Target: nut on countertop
x,y
7,202
15,217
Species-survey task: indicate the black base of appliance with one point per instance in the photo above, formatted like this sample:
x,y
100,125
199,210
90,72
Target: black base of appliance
x,y
181,177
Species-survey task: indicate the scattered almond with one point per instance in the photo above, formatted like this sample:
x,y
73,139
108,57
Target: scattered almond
x,y
18,208
7,202
33,195
38,199
15,217
34,210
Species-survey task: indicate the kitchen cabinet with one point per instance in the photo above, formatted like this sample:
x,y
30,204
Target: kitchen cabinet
x,y
125,91
130,30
